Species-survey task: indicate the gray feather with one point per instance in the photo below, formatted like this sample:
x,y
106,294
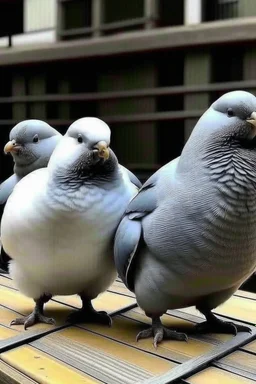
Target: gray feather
x,y
145,201
6,188
127,239
132,177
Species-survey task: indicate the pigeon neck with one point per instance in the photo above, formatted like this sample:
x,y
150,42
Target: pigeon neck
x,y
233,169
23,170
74,177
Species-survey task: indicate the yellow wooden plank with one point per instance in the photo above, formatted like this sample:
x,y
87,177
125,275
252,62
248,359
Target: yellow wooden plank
x,y
120,288
16,301
107,301
249,295
5,333
43,368
9,375
241,360
6,282
251,347
130,355
239,308
217,376
6,316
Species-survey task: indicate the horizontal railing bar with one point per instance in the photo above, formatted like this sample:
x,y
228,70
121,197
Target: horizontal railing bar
x,y
124,23
146,92
135,118
76,31
150,117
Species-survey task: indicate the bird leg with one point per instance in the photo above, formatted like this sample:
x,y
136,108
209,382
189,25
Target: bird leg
x,y
87,314
215,325
37,316
159,333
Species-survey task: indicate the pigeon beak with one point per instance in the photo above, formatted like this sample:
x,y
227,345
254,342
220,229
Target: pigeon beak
x,y
252,121
103,150
11,146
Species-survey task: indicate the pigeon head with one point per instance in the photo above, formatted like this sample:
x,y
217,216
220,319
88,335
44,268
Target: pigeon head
x,y
84,153
229,125
31,145
237,110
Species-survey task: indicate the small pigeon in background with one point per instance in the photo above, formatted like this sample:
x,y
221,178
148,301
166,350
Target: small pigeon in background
x,y
59,223
188,238
31,145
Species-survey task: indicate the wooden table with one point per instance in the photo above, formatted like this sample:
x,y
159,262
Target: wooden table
x,y
98,354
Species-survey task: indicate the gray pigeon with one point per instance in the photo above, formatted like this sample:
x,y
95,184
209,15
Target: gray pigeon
x,y
189,236
31,145
59,223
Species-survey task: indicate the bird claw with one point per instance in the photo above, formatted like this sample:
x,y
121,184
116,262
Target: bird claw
x,y
145,334
220,326
33,318
161,333
83,316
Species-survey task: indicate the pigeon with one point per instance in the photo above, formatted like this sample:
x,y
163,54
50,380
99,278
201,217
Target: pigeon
x,y
188,238
31,145
59,223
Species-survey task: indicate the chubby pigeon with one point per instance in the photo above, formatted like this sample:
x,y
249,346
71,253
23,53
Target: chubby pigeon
x,y
31,145
188,238
59,223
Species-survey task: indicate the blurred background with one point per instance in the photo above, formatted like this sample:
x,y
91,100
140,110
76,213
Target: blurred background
x,y
149,68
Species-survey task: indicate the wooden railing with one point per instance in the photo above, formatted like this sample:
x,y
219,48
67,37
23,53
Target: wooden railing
x,y
131,118
131,94
146,92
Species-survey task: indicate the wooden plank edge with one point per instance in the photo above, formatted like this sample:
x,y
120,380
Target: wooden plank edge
x,y
24,338
243,295
121,294
196,364
10,375
197,319
235,370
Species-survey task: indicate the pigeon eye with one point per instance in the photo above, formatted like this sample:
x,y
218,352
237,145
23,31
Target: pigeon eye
x,y
80,139
230,112
35,139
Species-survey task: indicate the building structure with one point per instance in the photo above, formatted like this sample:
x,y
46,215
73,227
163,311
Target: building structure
x,y
147,67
